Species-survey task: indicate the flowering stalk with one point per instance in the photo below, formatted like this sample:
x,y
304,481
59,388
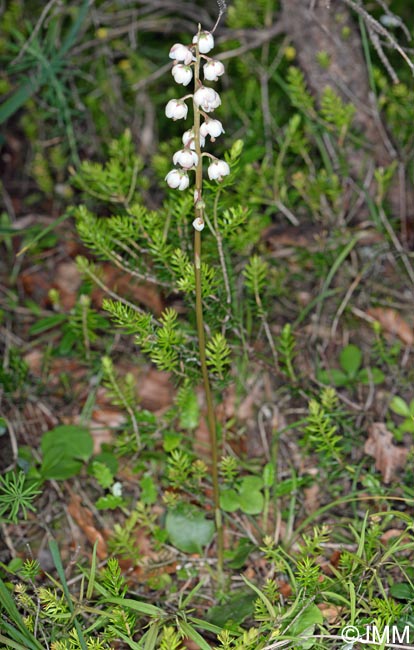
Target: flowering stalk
x,y
188,60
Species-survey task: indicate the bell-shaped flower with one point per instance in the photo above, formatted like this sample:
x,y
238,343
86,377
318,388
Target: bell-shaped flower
x,y
198,224
207,99
213,128
212,70
217,170
182,74
181,52
177,179
205,42
185,157
188,139
176,109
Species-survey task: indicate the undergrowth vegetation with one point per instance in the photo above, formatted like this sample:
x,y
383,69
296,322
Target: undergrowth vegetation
x,y
224,380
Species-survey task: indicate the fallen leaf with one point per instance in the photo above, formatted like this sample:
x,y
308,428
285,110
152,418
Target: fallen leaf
x,y
392,533
312,498
393,323
330,612
143,293
84,519
388,457
67,281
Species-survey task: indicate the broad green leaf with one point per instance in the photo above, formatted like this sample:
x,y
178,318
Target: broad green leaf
x,y
333,377
399,406
402,591
229,500
238,607
188,528
304,626
64,450
373,375
136,605
251,502
171,440
350,359
251,483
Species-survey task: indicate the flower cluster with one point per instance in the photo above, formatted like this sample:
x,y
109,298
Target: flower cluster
x,y
205,100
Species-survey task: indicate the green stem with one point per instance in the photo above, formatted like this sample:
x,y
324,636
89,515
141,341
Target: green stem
x,y
211,420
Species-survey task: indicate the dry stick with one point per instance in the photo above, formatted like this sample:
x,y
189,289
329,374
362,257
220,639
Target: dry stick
x,y
211,420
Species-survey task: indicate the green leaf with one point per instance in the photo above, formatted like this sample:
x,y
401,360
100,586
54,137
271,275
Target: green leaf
x,y
251,483
268,475
149,491
350,359
109,502
192,634
171,440
229,500
136,605
402,591
332,377
240,554
236,609
64,449
372,375
304,626
251,502
47,323
188,528
400,407
189,410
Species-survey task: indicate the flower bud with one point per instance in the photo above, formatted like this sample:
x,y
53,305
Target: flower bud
x,y
176,109
188,139
177,179
207,99
182,74
181,52
186,158
212,70
217,170
213,128
198,224
205,42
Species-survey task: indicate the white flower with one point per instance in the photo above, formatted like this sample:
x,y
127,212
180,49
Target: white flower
x,y
213,70
188,139
207,98
181,52
186,158
217,170
177,179
198,224
182,74
213,128
205,43
176,109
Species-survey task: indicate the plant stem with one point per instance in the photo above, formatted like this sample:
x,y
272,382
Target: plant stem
x,y
211,420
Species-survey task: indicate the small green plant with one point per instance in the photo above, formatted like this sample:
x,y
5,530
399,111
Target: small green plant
x,y
17,494
405,410
351,373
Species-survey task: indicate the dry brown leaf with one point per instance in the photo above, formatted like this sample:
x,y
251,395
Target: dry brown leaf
x,y
393,323
143,293
330,612
392,533
67,280
84,519
312,498
388,457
